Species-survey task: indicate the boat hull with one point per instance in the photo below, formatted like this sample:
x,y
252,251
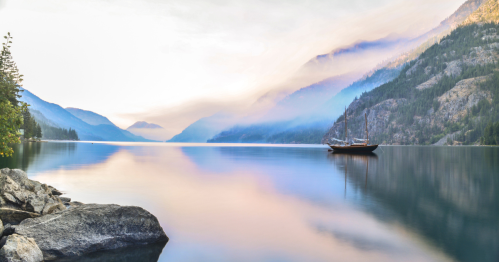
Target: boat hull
x,y
354,149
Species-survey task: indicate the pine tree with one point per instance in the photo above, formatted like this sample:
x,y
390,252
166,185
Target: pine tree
x,y
38,131
10,108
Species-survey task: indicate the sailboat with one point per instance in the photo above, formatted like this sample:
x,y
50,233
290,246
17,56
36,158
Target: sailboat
x,y
361,147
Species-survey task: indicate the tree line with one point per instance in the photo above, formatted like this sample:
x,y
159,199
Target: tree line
x,y
31,128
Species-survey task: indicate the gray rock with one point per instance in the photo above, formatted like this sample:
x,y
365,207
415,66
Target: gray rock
x,y
92,227
65,199
55,192
15,216
72,204
20,193
8,230
20,249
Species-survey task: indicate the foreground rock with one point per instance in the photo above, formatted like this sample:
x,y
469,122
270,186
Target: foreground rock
x,y
17,192
92,227
20,249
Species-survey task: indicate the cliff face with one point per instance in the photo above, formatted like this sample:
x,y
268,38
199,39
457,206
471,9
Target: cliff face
x,y
446,95
488,12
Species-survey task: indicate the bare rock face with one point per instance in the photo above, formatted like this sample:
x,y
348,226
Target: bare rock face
x,y
377,118
455,103
430,83
92,227
20,249
30,198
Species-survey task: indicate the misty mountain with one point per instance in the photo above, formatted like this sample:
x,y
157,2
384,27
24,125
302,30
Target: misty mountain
x,y
147,130
307,99
449,95
308,128
54,115
203,129
143,124
89,117
312,109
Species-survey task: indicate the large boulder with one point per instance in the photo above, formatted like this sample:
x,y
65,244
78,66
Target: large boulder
x,y
18,192
92,227
18,248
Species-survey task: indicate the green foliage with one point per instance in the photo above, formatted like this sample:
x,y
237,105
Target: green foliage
x,y
10,108
56,133
30,126
491,134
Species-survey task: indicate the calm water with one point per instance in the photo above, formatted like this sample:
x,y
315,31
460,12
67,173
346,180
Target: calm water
x,y
285,203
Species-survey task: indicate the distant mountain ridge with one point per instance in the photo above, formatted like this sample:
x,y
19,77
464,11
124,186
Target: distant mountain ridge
x,y
89,117
56,115
143,124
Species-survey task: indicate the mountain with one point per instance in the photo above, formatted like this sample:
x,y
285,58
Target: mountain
x,y
148,130
89,117
308,128
316,106
54,115
449,95
203,129
307,99
487,13
143,124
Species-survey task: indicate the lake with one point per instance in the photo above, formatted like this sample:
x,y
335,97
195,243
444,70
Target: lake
x,y
246,202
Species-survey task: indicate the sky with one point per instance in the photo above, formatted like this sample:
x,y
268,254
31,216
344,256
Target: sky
x,y
176,61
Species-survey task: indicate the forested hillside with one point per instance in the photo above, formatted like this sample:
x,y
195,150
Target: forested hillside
x,y
448,95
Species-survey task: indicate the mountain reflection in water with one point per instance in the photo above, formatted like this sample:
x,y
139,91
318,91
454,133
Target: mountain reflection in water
x,y
287,203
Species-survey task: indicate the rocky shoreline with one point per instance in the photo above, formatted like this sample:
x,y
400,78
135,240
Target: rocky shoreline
x,y
38,224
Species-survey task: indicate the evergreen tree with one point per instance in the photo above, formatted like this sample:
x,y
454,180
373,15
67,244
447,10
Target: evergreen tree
x,y
10,108
38,131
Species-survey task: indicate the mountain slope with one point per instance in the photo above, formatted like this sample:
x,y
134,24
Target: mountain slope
x,y
62,118
486,13
448,95
143,124
307,99
308,128
89,116
202,130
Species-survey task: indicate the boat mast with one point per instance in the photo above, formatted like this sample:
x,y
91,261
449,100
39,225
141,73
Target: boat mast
x,y
346,130
367,132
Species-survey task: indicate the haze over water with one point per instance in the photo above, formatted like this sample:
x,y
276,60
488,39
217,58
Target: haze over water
x,y
241,202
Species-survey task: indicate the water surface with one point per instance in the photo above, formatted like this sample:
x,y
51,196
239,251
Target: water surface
x,y
286,203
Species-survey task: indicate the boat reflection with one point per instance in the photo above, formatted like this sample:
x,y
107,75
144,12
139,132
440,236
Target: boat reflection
x,y
447,195
344,158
